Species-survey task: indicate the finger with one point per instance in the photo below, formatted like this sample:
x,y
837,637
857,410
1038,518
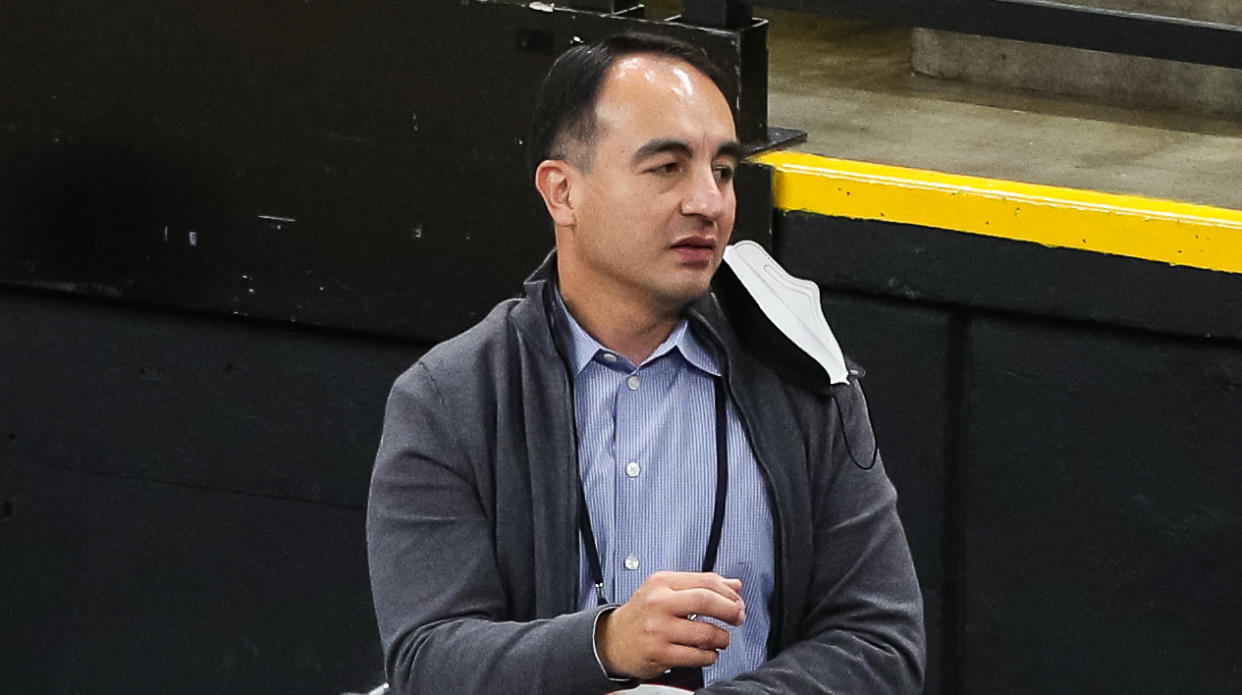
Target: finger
x,y
705,603
681,581
699,635
674,655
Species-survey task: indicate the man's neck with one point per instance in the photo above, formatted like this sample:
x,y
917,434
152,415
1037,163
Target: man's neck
x,y
631,328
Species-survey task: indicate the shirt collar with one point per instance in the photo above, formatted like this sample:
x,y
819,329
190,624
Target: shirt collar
x,y
586,348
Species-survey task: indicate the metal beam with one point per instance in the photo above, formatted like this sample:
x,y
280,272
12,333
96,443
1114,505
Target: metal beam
x,y
722,14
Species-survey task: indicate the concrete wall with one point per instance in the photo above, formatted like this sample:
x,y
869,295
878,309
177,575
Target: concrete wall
x,y
1119,79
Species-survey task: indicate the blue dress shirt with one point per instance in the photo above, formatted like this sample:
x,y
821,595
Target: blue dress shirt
x,y
647,456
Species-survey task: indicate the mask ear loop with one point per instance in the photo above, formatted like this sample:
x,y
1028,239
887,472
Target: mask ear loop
x,y
845,436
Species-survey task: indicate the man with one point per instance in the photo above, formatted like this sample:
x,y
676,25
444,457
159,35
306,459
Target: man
x,y
601,483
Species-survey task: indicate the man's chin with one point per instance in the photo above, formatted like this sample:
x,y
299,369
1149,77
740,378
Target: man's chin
x,y
685,293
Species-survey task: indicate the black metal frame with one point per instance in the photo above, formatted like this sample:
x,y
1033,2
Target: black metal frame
x,y
1045,21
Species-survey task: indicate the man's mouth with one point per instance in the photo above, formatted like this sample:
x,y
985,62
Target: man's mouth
x,y
696,243
696,250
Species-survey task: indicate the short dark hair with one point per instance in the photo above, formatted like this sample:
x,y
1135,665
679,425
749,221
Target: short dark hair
x,y
565,110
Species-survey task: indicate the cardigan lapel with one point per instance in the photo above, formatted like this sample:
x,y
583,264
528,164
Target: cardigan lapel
x,y
547,408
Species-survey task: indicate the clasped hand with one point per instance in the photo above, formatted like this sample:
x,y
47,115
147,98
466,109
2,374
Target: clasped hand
x,y
660,627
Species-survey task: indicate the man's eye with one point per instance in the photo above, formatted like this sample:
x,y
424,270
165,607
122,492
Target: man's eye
x,y
724,173
666,169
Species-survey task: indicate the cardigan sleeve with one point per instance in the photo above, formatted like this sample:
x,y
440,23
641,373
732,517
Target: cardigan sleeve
x,y
439,599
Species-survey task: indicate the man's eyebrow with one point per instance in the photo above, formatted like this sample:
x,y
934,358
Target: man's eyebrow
x,y
732,148
660,146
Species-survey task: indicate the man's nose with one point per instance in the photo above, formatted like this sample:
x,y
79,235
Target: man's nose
x,y
706,197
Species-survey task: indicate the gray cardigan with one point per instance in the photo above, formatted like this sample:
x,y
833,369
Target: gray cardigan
x,y
472,534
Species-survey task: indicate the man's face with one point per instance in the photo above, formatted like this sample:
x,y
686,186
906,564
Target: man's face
x,y
655,206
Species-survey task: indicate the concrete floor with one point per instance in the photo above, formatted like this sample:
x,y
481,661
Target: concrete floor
x,y
850,87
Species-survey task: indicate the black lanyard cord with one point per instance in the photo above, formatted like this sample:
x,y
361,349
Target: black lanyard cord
x,y
588,541
722,489
722,477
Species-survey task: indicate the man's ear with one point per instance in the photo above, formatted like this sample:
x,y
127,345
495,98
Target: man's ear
x,y
553,180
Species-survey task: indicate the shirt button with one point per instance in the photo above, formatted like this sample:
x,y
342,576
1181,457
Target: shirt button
x,y
632,382
608,357
631,562
632,469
